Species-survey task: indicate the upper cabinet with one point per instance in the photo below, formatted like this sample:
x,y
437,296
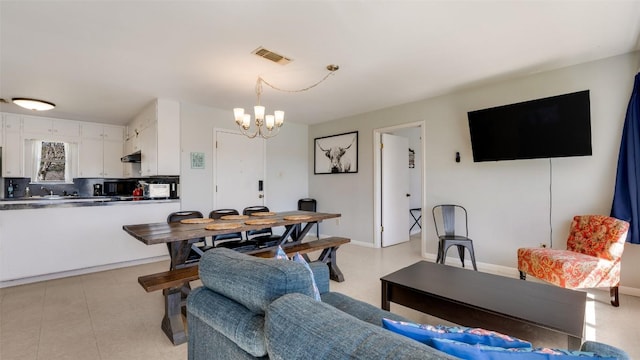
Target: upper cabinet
x,y
37,127
156,133
100,150
12,151
99,146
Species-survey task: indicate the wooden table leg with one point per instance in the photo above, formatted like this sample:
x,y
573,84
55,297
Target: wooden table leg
x,y
386,304
328,256
574,343
172,323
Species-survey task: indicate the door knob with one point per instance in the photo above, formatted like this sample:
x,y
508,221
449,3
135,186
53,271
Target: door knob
x,y
408,195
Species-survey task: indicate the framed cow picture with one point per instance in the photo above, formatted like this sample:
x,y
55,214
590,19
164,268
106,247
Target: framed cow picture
x,y
336,154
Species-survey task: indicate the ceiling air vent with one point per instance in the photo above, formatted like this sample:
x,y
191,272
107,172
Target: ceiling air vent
x,y
270,55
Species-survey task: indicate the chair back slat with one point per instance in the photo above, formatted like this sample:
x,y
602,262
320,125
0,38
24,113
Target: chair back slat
x,y
449,219
261,232
217,214
448,213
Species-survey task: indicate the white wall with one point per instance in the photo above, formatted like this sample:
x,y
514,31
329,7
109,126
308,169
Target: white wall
x,y
508,201
287,168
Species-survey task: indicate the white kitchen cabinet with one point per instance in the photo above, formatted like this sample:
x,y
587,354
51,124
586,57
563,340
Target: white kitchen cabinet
x,y
90,156
92,131
76,238
112,166
12,149
57,128
100,150
158,139
148,140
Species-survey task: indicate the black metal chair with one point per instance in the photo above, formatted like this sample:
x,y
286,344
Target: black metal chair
x,y
308,204
445,215
198,245
263,237
232,240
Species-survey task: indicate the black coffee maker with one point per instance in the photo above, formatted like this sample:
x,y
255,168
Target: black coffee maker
x,y
97,189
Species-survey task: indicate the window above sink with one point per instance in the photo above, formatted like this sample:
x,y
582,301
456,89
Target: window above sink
x,y
50,161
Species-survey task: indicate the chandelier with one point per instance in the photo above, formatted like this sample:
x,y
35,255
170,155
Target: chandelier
x,y
267,126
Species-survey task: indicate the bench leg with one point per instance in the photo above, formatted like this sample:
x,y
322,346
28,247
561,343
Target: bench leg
x,y
172,323
328,256
523,275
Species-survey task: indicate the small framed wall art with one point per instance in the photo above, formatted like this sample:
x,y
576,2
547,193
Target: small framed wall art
x,y
197,160
336,154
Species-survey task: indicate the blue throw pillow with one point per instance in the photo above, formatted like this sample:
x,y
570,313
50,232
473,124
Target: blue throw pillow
x,y
484,352
281,255
426,333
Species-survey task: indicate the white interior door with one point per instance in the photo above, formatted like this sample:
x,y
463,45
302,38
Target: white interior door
x,y
240,169
395,189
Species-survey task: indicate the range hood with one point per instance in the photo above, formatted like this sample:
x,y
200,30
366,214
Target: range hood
x,y
132,158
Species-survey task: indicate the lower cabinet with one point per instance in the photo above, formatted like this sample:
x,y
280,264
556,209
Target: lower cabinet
x,y
73,238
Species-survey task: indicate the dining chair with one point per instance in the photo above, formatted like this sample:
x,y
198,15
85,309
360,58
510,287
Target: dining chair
x,y
264,237
198,245
308,204
231,240
445,215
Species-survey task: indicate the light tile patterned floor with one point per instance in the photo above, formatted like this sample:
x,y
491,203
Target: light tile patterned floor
x,y
108,316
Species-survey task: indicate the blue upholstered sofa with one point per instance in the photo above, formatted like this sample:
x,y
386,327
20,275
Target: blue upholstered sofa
x,y
261,308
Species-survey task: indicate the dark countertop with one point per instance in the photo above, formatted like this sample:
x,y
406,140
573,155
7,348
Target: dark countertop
x,y
74,201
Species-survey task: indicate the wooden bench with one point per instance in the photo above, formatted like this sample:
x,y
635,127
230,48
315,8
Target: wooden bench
x,y
178,277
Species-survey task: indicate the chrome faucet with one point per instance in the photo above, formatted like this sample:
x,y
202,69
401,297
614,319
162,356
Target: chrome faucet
x,y
47,190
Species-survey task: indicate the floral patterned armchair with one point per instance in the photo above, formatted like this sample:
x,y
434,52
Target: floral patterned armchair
x,y
592,258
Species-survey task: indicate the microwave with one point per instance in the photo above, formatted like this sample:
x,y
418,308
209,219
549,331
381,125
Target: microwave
x,y
157,190
119,187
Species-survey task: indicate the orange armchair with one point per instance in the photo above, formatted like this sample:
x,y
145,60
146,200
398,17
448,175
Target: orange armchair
x,y
592,258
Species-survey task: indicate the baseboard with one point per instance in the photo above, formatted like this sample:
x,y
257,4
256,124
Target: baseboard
x,y
89,270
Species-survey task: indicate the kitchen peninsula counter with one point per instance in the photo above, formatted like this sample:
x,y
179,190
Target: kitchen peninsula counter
x,y
64,237
67,202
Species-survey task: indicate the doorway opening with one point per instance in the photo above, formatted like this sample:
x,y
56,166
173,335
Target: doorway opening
x,y
415,163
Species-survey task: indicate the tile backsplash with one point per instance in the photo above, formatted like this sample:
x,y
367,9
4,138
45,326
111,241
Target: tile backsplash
x,y
80,186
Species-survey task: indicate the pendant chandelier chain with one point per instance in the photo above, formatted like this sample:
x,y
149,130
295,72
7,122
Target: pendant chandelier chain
x,y
267,126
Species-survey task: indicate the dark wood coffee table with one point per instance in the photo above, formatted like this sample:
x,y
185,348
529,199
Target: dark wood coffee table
x,y
519,308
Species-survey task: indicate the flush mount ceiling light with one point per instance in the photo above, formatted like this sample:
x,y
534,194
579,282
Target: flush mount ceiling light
x,y
269,125
33,104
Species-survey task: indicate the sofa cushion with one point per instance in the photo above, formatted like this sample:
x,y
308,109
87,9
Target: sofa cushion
x,y
300,260
281,255
359,309
320,272
251,281
237,323
297,327
426,333
484,352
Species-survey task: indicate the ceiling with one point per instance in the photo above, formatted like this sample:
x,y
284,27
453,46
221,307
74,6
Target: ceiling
x,y
105,60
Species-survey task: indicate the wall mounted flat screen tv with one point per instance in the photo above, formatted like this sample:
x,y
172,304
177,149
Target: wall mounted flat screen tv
x,y
557,126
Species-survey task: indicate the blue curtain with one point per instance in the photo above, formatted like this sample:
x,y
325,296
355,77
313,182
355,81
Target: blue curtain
x,y
626,199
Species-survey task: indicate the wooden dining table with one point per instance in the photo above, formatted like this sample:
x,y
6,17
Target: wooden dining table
x,y
179,237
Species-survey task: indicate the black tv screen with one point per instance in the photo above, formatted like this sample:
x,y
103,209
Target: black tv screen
x,y
557,126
